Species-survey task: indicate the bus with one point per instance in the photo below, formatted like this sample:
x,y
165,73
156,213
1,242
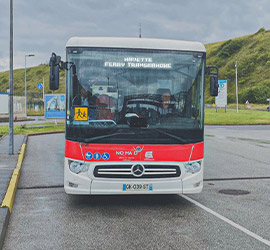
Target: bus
x,y
134,115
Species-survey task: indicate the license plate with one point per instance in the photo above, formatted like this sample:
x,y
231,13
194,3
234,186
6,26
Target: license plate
x,y
137,187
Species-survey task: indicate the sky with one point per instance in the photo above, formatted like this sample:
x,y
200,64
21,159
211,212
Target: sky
x,y
43,27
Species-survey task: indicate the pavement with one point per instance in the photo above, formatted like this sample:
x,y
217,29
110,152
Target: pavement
x,y
7,165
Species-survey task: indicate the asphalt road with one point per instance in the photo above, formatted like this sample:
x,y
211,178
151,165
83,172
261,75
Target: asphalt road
x,y
44,217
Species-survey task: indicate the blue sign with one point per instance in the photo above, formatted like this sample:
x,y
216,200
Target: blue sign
x,y
105,156
55,106
39,85
88,156
97,156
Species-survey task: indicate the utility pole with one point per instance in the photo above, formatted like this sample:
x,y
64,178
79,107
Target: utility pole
x,y
11,136
236,89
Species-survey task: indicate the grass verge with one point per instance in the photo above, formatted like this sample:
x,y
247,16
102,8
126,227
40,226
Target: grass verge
x,y
231,117
34,128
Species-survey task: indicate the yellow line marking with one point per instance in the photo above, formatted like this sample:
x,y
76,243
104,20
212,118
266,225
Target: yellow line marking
x,y
13,183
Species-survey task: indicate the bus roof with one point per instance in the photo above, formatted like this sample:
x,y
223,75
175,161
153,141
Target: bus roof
x,y
135,43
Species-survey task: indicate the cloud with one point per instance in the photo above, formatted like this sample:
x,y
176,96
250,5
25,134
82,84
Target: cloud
x,y
19,60
41,27
4,63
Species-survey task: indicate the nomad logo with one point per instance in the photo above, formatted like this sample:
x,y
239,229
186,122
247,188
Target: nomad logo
x,y
138,149
124,153
133,152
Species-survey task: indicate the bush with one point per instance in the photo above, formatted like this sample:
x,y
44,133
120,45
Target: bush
x,y
210,99
256,94
39,72
230,47
231,98
4,80
246,66
261,30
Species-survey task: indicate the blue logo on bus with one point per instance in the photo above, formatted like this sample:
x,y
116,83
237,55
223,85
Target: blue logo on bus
x,y
97,156
105,156
88,156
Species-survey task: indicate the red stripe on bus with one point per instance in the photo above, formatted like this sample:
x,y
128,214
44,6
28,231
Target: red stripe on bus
x,y
129,152
197,152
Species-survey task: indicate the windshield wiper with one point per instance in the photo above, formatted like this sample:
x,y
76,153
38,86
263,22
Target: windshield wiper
x,y
172,136
105,136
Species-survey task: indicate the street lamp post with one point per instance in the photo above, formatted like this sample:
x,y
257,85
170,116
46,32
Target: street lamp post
x,y
236,87
11,135
25,86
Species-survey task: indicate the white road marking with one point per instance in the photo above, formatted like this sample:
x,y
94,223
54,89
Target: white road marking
x,y
239,227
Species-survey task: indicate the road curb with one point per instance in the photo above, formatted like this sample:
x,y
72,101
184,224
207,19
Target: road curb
x,y
7,203
2,137
47,133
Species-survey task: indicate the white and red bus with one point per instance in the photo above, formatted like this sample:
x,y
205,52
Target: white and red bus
x,y
134,115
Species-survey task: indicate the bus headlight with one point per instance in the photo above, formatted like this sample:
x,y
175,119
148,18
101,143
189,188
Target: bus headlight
x,y
78,167
193,167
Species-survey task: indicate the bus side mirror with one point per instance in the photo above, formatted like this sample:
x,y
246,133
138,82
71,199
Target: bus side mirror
x,y
54,71
213,79
214,86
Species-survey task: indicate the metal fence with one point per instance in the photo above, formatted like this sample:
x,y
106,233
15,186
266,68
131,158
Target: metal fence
x,y
18,105
35,104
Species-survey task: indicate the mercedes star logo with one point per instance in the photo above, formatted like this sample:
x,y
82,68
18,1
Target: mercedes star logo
x,y
137,170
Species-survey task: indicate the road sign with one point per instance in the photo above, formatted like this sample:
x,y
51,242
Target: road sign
x,y
221,99
55,106
39,85
81,114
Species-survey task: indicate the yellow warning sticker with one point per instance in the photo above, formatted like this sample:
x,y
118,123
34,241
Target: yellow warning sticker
x,y
81,114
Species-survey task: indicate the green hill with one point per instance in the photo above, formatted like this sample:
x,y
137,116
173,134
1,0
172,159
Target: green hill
x,y
253,58
34,76
251,52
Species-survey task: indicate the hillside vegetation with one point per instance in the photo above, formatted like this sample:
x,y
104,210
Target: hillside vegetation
x,y
253,58
34,76
252,52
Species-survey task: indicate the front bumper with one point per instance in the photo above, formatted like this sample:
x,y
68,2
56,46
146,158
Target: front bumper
x,y
87,184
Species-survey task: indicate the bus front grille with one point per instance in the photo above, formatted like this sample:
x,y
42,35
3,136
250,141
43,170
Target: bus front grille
x,y
125,171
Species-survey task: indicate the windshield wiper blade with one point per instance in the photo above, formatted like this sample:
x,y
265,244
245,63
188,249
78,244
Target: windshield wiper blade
x,y
105,136
172,136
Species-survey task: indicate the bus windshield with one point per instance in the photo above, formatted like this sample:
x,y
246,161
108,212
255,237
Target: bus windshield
x,y
132,96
